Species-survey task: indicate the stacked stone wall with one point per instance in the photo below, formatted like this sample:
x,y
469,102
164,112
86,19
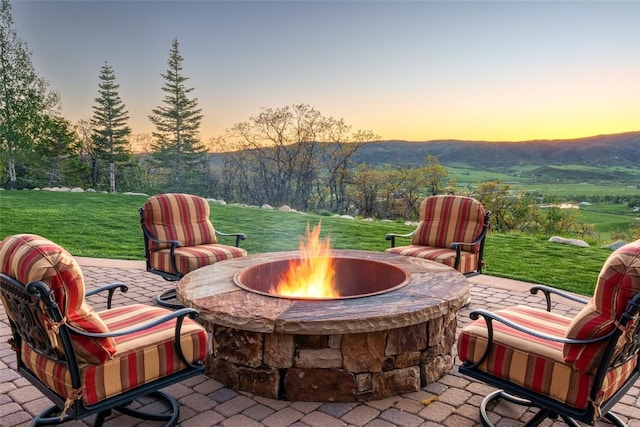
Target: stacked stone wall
x,y
332,368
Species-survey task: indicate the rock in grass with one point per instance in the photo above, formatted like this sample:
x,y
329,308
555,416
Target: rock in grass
x,y
566,241
615,245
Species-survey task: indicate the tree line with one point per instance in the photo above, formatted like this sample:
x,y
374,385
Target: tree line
x,y
293,155
288,155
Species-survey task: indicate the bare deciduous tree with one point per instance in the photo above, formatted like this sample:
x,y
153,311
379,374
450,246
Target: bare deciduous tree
x,y
286,156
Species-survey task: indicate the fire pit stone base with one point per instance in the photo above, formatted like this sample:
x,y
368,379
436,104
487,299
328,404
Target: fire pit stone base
x,y
333,368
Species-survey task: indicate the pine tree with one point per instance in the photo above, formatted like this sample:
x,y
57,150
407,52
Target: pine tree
x,y
177,149
109,120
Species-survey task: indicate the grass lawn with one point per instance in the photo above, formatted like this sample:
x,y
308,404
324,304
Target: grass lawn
x,y
107,226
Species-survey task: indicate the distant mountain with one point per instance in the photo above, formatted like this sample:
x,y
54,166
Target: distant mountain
x,y
604,150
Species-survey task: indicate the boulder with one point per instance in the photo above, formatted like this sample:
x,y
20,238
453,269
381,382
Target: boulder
x,y
217,202
615,245
567,241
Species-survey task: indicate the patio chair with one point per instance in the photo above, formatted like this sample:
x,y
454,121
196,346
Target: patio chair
x,y
179,238
576,368
90,362
452,231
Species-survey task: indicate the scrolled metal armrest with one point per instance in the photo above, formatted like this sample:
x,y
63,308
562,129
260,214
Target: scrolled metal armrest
x,y
173,243
455,245
392,237
111,289
548,291
239,236
178,314
489,317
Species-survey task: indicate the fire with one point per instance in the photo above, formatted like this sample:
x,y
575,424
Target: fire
x,y
312,275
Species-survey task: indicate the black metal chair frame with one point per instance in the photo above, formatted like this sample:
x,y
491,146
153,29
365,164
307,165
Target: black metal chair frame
x,y
28,304
457,245
549,407
165,298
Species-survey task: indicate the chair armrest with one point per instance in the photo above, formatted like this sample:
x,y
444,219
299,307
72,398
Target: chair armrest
x,y
179,315
548,291
239,236
169,316
392,237
490,317
110,288
173,243
455,245
478,240
483,233
458,247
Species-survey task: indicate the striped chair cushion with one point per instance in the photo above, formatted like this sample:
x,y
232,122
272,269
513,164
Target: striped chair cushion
x,y
181,217
27,258
619,281
468,260
447,219
191,258
140,358
532,362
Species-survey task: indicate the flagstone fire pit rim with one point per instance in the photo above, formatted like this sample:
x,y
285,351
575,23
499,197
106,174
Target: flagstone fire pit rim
x,y
433,290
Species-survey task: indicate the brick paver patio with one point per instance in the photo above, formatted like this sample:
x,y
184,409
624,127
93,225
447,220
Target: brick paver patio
x,y
452,401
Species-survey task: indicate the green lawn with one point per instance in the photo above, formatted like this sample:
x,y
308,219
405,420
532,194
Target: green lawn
x,y
107,226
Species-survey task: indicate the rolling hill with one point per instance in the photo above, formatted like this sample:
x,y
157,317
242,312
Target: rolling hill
x,y
597,151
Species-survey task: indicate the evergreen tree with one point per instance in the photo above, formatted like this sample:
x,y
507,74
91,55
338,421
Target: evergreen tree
x,y
54,151
109,120
25,102
176,149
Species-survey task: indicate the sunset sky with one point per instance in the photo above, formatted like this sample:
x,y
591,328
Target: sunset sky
x,y
419,70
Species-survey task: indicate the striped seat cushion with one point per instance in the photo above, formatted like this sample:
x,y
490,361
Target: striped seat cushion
x,y
446,219
618,281
182,217
140,358
191,258
27,258
468,260
535,363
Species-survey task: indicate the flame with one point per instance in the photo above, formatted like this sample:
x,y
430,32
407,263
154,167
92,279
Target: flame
x,y
310,276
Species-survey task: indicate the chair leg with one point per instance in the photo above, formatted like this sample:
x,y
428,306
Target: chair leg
x,y
49,417
613,419
168,299
540,416
169,401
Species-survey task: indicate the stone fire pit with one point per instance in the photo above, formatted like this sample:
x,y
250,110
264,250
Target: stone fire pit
x,y
347,350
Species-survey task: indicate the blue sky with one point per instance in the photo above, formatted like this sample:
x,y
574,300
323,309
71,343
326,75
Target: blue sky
x,y
419,70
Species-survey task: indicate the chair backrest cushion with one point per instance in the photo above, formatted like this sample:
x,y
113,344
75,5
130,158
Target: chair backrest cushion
x,y
28,258
618,282
175,216
446,219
